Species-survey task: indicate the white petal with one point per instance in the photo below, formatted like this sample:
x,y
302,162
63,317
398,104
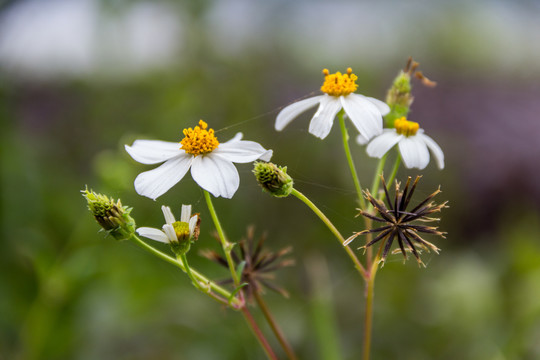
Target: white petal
x,y
186,213
192,224
155,183
289,113
435,149
215,175
153,151
242,151
382,143
414,152
381,105
364,114
169,231
167,213
154,234
361,139
322,121
267,155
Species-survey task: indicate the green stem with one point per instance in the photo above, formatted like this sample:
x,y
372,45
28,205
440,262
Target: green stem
x,y
368,322
192,277
395,169
345,137
370,294
274,326
374,192
377,176
332,228
236,304
227,246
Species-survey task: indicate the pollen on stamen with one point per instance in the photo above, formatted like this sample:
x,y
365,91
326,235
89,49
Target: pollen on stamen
x,y
406,127
339,84
199,141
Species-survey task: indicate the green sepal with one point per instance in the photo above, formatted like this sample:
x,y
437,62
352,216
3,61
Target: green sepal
x,y
240,269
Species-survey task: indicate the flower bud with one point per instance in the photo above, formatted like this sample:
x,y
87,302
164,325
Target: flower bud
x,y
399,98
111,216
273,179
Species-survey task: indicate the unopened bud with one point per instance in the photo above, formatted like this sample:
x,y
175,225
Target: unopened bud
x,y
110,215
273,179
399,98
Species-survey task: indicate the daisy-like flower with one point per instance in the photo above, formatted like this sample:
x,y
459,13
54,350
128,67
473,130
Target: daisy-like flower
x,y
211,162
400,223
179,234
364,112
413,144
258,263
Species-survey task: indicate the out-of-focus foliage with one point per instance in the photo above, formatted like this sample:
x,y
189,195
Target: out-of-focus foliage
x,y
68,292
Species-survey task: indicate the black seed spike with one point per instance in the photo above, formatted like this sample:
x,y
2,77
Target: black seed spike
x,y
409,197
380,236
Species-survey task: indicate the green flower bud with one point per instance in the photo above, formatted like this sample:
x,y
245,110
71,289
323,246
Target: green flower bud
x,y
273,179
399,96
110,215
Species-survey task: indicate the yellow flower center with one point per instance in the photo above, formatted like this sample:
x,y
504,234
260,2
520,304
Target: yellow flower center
x,y
406,127
199,140
339,84
181,229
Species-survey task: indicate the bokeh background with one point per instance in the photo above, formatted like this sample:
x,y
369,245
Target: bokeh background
x,y
81,78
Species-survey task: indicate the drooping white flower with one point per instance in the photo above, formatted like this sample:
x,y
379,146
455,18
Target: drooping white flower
x,y
211,162
172,231
412,142
364,112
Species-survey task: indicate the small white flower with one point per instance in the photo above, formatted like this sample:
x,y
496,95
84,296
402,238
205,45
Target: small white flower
x,y
211,163
412,142
168,234
364,112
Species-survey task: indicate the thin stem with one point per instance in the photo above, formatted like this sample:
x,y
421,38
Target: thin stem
x,y
227,246
377,176
395,169
189,273
258,333
345,137
332,228
236,304
368,322
274,326
370,294
374,192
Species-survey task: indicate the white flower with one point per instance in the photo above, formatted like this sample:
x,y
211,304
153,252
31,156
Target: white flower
x,y
364,112
169,234
211,162
412,142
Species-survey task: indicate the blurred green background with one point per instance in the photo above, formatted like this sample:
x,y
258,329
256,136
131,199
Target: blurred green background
x,y
81,78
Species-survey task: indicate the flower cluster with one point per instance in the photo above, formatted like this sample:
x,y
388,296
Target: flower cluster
x,y
179,234
211,162
110,215
365,112
412,142
381,126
